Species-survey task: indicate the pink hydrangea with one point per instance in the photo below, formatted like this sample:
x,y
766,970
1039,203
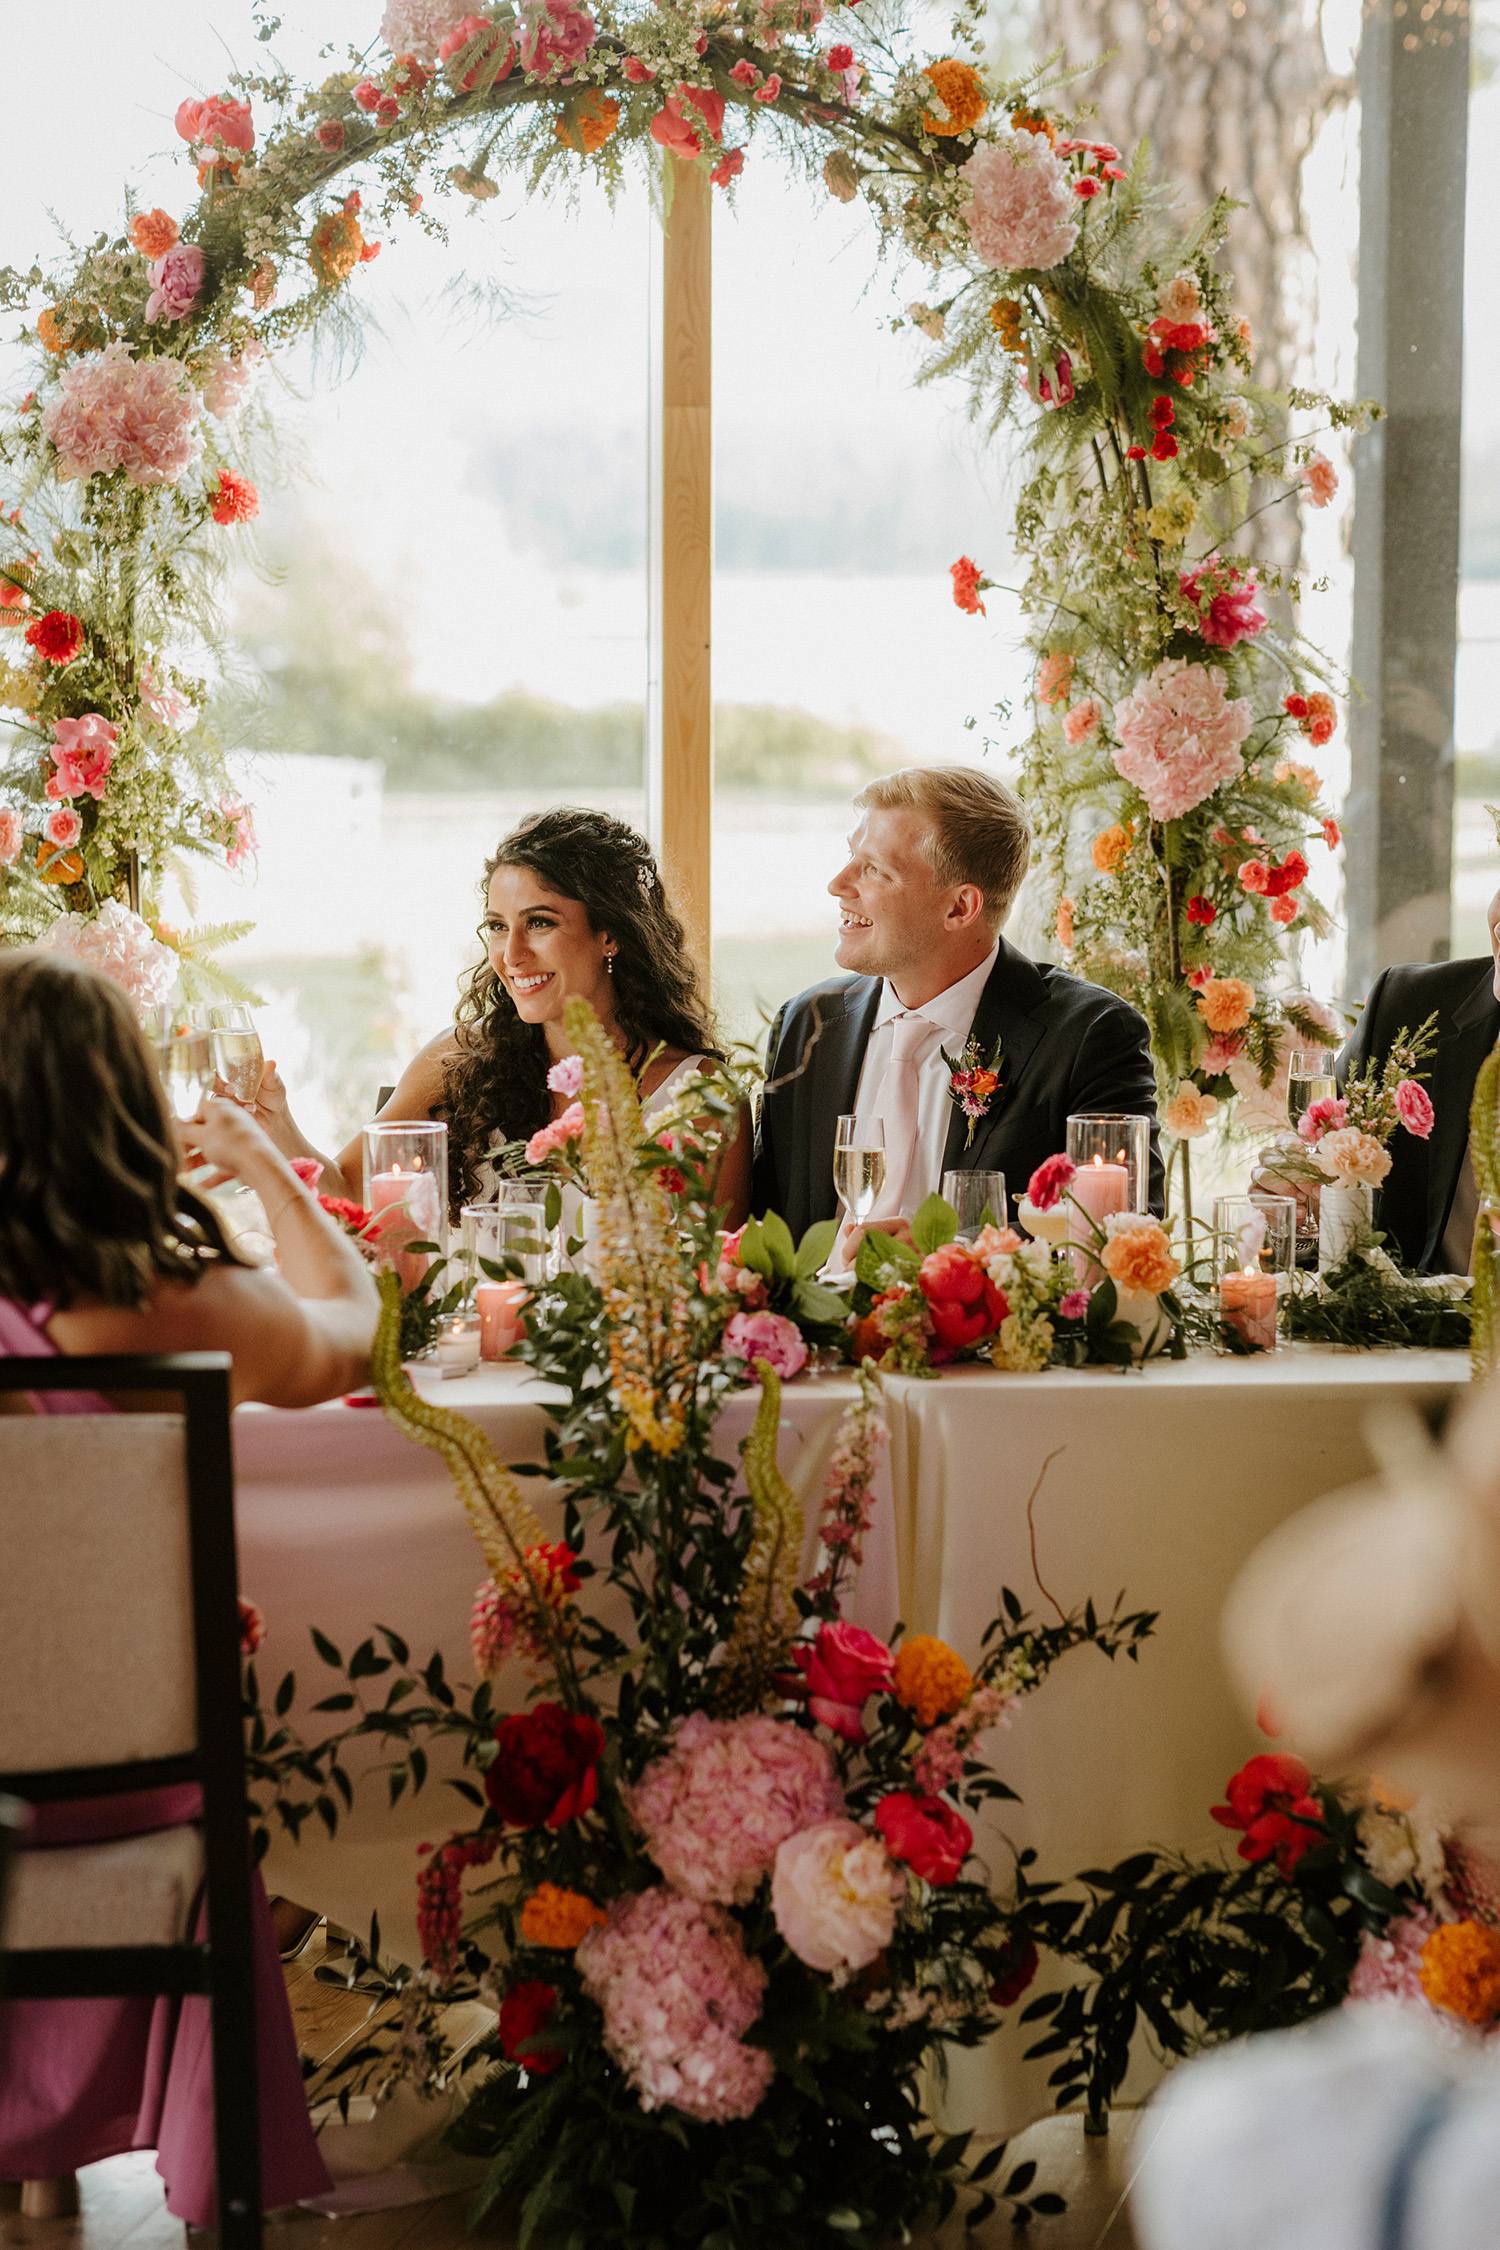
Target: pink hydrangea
x,y
834,1894
566,1077
1225,603
1319,479
229,382
768,1336
678,1991
546,1142
1180,737
1320,1117
122,946
1414,1108
12,830
556,37
1021,203
82,753
419,27
717,1806
1081,724
176,283
1390,1968
113,412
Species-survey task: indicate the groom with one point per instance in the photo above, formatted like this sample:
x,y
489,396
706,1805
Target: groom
x,y
934,865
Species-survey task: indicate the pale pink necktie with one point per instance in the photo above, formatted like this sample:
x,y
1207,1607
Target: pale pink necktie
x,y
896,1106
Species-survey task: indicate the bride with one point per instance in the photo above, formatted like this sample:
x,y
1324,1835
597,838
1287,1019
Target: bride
x,y
574,910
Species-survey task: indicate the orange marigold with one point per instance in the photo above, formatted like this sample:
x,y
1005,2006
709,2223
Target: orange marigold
x,y
930,1679
1225,1003
1034,121
553,1916
1005,319
960,89
1064,923
64,328
153,233
65,868
1111,844
594,119
1461,1970
334,250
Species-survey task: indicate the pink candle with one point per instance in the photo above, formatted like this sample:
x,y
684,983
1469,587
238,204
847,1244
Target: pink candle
x,y
406,1204
1248,1302
1097,1190
501,1304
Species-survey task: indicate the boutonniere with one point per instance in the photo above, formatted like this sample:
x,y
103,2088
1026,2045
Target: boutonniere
x,y
973,1082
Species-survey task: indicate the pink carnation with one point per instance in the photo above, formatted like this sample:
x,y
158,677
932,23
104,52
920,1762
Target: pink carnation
x,y
1081,724
1414,1108
1320,1117
550,1138
176,283
1021,203
1074,1304
12,830
768,1336
113,412
834,1895
717,1806
1390,1968
62,827
243,843
1049,1181
83,752
1319,479
1225,603
1180,737
678,1991
557,36
419,27
566,1077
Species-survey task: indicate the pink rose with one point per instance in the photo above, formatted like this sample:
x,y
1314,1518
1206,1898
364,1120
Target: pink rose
x,y
566,1077
834,1894
83,752
176,282
62,827
768,1336
930,1836
1048,1182
1414,1108
1326,1116
843,1667
330,134
550,1138
11,833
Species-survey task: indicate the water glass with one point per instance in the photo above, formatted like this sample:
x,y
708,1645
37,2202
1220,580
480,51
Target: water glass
x,y
979,1200
858,1165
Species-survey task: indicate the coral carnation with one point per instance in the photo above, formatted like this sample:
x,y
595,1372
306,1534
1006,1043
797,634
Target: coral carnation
x,y
236,500
1081,724
968,580
1137,1254
1190,1112
153,233
717,1806
12,835
1020,212
1355,1158
62,827
1225,1003
1054,677
677,1992
962,100
1180,737
1109,847
1319,479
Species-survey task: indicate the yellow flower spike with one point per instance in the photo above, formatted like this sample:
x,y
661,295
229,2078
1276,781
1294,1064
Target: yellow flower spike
x,y
767,1624
1484,1143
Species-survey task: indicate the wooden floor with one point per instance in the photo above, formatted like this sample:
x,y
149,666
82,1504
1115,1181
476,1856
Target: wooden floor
x,y
122,2206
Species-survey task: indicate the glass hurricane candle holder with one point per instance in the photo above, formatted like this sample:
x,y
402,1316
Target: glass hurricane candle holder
x,y
979,1200
1113,1156
1255,1242
510,1232
458,1342
406,1194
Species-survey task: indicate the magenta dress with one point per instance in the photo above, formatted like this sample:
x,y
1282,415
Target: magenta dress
x,y
85,2079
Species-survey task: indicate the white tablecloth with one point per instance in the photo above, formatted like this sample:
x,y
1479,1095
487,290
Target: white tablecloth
x,y
1165,1480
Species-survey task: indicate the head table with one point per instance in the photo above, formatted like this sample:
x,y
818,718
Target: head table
x,y
1162,1482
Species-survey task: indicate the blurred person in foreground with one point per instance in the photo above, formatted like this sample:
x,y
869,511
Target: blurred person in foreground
x,y
103,1249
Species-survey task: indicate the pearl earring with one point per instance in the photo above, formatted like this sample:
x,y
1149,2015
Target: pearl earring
x,y
609,963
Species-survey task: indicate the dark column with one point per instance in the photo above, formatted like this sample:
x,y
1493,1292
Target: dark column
x,y
1414,101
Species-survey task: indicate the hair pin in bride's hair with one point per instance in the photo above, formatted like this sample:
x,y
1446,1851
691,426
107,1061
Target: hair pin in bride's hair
x,y
645,875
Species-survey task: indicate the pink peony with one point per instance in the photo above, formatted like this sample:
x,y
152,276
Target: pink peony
x,y
1414,1108
1051,1179
1180,737
1225,603
1390,1967
843,1668
550,1138
717,1806
677,1991
1320,1117
556,37
83,752
113,412
1081,724
12,830
62,827
566,1077
768,1336
1318,479
1021,204
122,946
219,130
834,1895
479,29
419,27
176,283
1354,1158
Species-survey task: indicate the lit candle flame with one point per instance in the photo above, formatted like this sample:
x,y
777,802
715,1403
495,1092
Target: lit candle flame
x,y
1098,1160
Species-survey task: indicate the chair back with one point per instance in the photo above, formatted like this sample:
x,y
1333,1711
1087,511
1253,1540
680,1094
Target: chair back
x,y
96,1596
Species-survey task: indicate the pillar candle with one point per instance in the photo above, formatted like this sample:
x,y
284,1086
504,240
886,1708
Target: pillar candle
x,y
1248,1302
1097,1190
501,1304
406,1204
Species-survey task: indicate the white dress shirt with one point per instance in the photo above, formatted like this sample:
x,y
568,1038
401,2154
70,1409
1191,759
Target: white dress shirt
x,y
951,1015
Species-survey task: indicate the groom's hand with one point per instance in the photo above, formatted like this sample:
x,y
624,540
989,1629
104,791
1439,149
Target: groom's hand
x,y
852,1233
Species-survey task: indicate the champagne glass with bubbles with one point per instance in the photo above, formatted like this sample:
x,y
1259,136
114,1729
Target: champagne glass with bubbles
x,y
186,1060
238,1056
1309,1079
858,1165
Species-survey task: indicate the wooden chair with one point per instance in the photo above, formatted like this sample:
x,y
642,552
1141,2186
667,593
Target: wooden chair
x,y
119,1671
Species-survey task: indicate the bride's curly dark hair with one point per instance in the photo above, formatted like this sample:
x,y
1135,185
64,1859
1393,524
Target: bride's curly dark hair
x,y
495,1086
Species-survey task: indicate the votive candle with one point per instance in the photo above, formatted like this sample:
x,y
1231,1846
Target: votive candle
x,y
458,1347
501,1327
1247,1301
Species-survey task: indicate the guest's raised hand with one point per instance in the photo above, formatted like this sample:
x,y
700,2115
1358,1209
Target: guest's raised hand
x,y
223,1136
852,1233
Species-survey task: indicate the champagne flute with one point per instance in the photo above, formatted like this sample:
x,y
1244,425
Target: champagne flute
x,y
1309,1079
238,1055
858,1165
186,1061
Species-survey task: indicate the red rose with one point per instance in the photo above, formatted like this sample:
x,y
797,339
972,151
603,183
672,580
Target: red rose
x,y
545,1766
964,1302
843,1667
1268,1799
840,58
928,1834
1020,1968
523,2013
58,636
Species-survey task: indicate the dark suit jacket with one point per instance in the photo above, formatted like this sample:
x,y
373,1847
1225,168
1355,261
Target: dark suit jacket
x,y
1414,1203
1066,1046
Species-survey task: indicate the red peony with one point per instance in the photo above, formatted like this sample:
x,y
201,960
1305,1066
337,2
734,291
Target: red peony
x,y
1021,1967
1225,603
236,500
546,1766
524,2012
928,1834
843,1667
58,636
1049,1181
1268,1799
963,1301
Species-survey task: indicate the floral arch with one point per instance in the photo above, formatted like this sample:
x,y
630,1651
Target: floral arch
x,y
1167,759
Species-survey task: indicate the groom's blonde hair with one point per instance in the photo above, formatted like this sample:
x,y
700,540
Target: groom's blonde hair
x,y
977,832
